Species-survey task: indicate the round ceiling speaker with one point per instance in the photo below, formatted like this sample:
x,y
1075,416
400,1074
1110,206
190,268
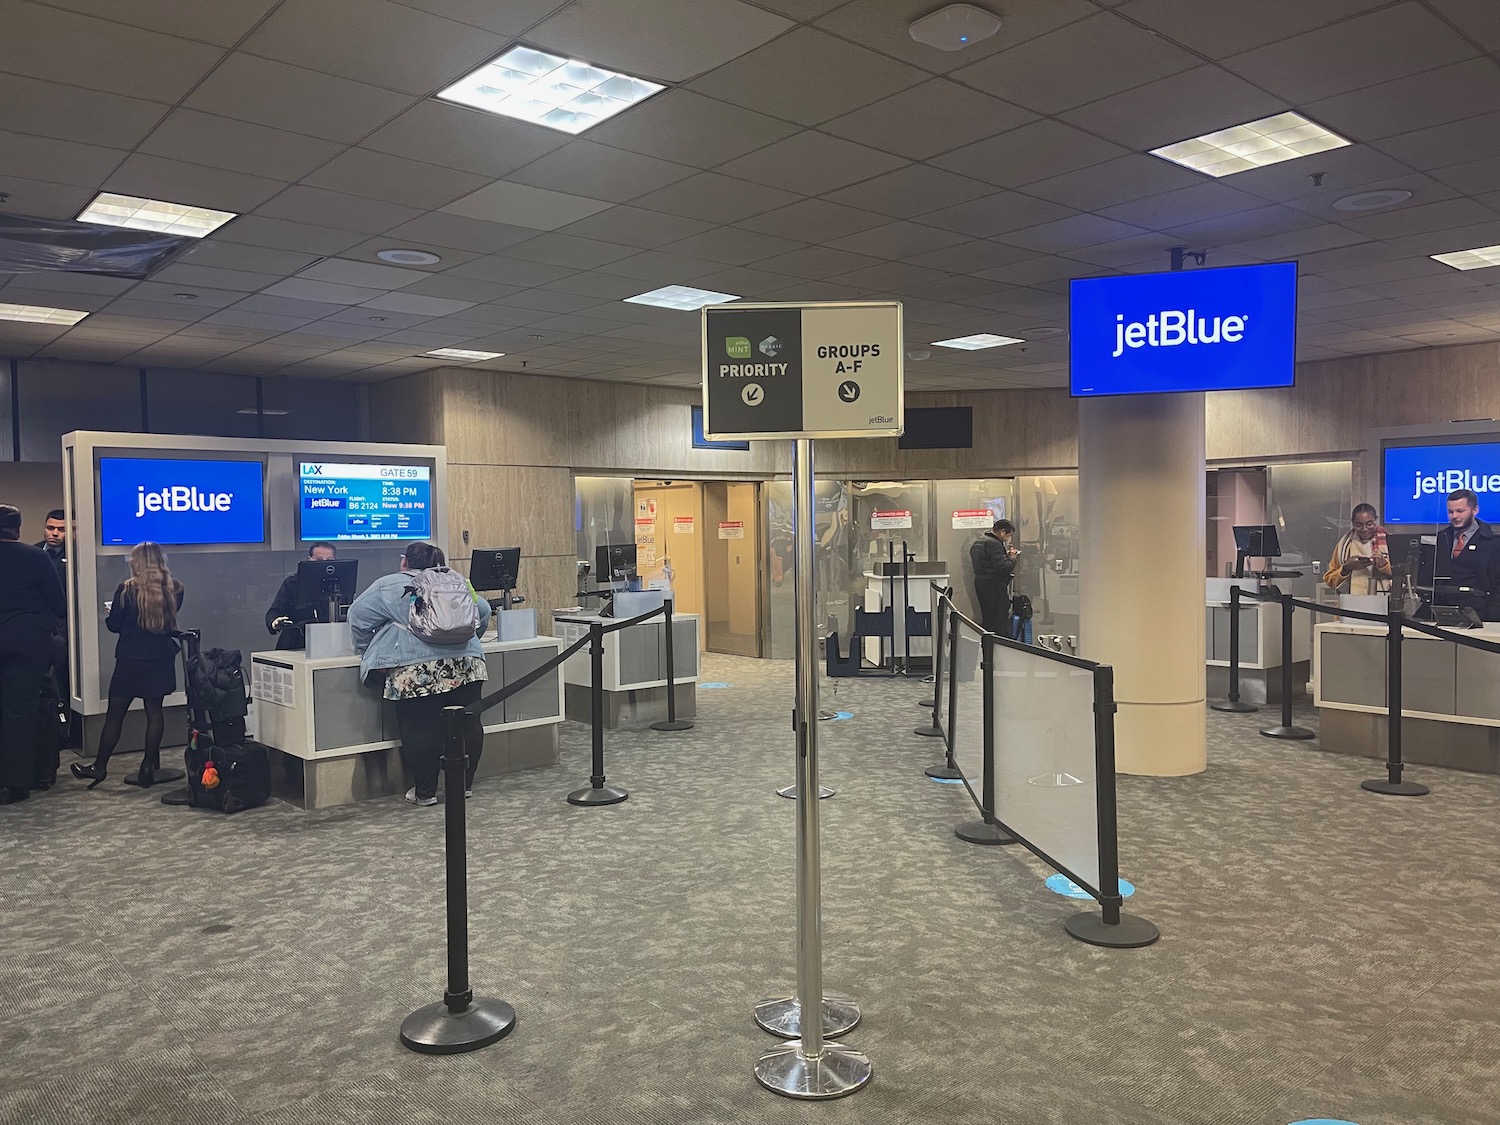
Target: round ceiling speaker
x,y
1371,200
408,257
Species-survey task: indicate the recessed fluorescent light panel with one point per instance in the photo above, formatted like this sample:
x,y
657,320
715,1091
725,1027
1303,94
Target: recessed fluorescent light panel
x,y
40,314
1252,145
977,342
152,214
460,353
683,297
563,94
1479,259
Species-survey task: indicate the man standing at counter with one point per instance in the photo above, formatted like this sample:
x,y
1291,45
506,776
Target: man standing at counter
x,y
994,560
285,618
1361,563
1468,559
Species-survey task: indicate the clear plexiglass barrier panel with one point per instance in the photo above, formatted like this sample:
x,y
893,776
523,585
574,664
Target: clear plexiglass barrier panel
x,y
1045,783
964,688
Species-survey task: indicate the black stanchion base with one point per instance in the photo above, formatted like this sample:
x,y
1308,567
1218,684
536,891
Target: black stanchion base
x,y
183,796
1395,788
434,1030
944,773
161,777
982,832
588,795
674,724
1233,706
1131,933
1297,734
928,732
929,704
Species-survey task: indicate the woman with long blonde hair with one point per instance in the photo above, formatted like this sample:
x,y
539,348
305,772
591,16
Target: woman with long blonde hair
x,y
144,614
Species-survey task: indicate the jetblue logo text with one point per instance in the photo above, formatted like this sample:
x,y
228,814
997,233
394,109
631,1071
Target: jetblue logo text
x,y
181,498
1173,327
1451,480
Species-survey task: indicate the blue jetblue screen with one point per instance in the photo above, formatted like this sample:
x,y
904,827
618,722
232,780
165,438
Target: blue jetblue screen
x,y
1194,330
345,502
1418,479
172,501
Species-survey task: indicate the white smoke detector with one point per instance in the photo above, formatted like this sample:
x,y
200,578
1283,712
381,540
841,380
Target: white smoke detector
x,y
955,27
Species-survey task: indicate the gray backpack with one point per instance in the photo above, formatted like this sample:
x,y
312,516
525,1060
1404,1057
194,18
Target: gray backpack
x,y
443,611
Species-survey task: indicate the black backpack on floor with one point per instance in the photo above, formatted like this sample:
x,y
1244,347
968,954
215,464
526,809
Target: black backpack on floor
x,y
231,778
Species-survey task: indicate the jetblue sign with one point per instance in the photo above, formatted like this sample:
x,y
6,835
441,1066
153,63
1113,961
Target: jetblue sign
x,y
173,501
1192,330
1418,479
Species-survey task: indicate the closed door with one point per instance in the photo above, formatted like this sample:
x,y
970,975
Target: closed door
x,y
731,568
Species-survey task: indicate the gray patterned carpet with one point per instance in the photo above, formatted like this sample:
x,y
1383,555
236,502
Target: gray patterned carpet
x,y
1325,952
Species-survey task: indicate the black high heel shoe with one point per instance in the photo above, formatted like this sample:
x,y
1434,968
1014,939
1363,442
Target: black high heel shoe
x,y
92,774
146,777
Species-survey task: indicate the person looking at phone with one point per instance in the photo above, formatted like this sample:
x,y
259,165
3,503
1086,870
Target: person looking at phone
x,y
993,556
1361,563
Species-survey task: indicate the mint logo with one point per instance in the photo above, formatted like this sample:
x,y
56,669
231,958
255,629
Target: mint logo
x,y
738,347
770,347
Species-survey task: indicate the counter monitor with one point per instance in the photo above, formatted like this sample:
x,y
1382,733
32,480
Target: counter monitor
x,y
342,503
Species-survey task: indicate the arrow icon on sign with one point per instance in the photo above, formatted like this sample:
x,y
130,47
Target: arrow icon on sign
x,y
848,390
753,394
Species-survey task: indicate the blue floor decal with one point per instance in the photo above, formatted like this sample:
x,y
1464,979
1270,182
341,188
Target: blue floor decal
x,y
1062,885
715,685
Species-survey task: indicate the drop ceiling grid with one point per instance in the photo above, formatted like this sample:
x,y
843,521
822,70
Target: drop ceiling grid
x,y
397,184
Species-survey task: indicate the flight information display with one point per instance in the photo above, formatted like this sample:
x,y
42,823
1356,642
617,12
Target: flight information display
x,y
352,502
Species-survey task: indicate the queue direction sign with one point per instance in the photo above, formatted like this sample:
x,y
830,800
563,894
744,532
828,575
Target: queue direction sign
x,y
826,370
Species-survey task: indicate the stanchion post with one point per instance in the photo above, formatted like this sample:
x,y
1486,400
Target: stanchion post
x,y
1112,927
932,730
1233,703
985,830
461,1021
1392,785
1286,729
597,792
672,722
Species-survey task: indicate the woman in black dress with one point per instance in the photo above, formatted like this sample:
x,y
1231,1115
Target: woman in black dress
x,y
144,614
31,602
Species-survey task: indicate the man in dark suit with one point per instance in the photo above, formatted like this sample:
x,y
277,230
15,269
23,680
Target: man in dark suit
x,y
55,545
1468,559
286,618
994,559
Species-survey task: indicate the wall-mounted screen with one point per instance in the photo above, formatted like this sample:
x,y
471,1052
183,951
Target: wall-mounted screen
x,y
182,502
351,502
1190,330
1418,479
701,442
937,427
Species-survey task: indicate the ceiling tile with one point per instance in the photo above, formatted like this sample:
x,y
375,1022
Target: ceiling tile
x,y
467,289
660,268
56,46
1475,176
369,250
1221,29
816,77
890,277
811,163
340,271
818,262
244,318
256,259
459,233
735,247
627,35
1116,181
715,198
929,119
509,271
1364,51
1070,234
1420,219
995,214
1033,152
1439,146
1184,105
320,207
882,24
48,109
1208,199
417,305
373,41
241,146
599,286
57,161
549,301
1262,222
1277,247
521,205
455,136
509,18
177,182
913,190
321,292
971,257
377,175
898,240
569,250
1451,239
600,172
687,128
223,23
813,220
1341,171
1080,63
745,281
260,230
1450,93
633,226
1478,18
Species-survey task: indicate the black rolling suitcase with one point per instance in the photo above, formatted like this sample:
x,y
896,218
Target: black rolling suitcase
x,y
225,770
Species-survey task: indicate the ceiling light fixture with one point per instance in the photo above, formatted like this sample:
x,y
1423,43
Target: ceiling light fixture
x,y
560,93
1371,200
408,257
40,314
953,28
1481,258
136,213
977,342
682,297
463,354
1255,144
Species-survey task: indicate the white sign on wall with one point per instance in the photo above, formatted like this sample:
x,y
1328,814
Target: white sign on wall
x,y
881,521
734,529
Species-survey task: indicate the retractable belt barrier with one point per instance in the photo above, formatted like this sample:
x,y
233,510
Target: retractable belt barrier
x,y
1046,765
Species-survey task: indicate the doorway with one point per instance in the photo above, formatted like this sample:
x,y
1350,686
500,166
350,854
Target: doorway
x,y
731,567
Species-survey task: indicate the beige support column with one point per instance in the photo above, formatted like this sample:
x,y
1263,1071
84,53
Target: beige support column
x,y
1141,582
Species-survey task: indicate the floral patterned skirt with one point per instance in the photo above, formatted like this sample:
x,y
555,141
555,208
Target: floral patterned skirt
x,y
434,677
